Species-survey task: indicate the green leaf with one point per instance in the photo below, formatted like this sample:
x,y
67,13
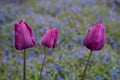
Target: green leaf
x,y
35,76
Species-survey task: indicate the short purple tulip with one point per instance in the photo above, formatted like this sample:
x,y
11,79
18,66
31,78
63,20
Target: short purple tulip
x,y
50,38
23,36
96,37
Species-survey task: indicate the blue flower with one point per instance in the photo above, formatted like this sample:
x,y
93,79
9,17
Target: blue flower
x,y
98,78
113,76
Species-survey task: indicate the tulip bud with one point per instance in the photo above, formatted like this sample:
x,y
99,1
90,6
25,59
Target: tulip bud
x,y
96,37
50,38
23,36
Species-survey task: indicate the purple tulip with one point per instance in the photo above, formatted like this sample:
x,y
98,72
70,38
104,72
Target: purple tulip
x,y
95,38
23,36
50,38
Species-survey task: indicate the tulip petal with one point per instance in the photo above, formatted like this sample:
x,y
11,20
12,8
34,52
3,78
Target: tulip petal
x,y
30,30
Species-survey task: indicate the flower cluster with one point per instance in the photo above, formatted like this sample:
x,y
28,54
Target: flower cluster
x,y
24,38
94,40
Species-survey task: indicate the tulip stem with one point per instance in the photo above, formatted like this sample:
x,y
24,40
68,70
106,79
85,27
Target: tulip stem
x,y
24,66
86,65
43,63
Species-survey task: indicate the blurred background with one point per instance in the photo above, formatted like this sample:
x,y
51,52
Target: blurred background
x,y
73,18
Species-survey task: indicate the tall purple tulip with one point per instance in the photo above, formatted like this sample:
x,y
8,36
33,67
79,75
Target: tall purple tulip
x,y
95,38
23,36
23,39
50,38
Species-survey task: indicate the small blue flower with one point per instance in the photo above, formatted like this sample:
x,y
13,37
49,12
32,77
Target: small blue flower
x,y
20,61
113,76
104,61
95,53
117,71
98,78
118,62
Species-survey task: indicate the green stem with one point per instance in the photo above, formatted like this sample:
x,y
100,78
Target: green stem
x,y
86,65
43,63
24,66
